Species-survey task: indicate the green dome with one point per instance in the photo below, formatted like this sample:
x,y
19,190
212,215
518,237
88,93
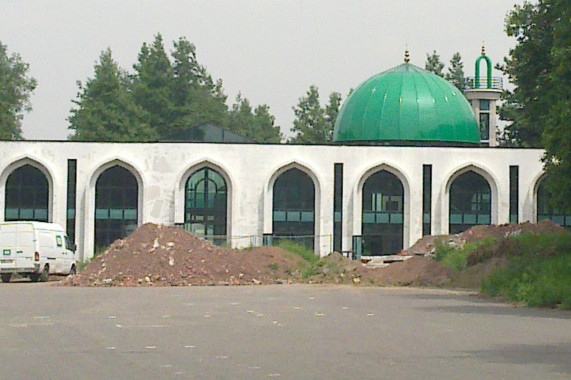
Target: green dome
x,y
407,104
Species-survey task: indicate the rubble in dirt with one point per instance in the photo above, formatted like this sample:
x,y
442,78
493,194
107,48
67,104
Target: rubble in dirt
x,y
427,244
156,255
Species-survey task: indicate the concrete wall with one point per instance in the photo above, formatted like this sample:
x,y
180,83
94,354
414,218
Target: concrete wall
x,y
250,171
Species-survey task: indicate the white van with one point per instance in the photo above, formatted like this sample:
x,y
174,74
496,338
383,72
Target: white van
x,y
35,250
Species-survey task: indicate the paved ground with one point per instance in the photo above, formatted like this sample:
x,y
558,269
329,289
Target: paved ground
x,y
291,332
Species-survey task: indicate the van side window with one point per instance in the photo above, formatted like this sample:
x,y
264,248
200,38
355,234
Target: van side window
x,y
68,244
59,241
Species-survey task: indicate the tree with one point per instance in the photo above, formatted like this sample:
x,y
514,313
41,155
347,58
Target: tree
x,y
256,124
152,86
539,106
196,97
15,90
433,64
314,124
455,73
106,109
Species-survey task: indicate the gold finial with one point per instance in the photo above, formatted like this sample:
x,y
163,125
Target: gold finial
x,y
406,55
483,48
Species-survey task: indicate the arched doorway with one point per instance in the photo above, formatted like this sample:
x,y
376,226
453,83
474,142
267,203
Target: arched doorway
x,y
293,211
27,195
470,202
116,206
206,197
383,214
546,211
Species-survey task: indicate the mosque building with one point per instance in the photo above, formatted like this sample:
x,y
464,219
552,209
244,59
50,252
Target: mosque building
x,y
412,156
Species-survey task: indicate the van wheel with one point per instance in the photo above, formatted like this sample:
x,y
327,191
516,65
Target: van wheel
x,y
6,277
45,275
73,270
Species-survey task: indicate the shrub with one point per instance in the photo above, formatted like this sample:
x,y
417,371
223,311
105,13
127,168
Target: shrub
x,y
538,273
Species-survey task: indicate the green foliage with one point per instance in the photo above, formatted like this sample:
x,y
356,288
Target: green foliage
x,y
299,249
457,258
538,272
312,263
15,90
455,73
164,96
314,124
433,64
256,124
545,282
274,266
196,97
539,107
106,110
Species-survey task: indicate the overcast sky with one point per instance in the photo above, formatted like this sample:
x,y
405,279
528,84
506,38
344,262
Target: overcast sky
x,y
269,50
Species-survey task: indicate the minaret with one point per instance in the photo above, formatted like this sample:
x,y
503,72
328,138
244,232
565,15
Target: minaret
x,y
483,94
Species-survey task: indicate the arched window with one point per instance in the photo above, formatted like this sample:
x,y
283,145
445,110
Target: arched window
x,y
383,216
546,211
470,202
205,205
116,205
27,193
293,213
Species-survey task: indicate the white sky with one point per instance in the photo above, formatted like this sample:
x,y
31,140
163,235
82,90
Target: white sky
x,y
270,50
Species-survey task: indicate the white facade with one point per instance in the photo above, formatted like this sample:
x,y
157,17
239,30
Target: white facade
x,y
250,170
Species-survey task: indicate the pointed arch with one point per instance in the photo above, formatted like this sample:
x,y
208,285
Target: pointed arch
x,y
544,210
471,195
28,191
383,193
117,198
205,188
294,198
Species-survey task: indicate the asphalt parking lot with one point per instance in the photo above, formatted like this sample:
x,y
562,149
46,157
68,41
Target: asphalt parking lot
x,y
283,331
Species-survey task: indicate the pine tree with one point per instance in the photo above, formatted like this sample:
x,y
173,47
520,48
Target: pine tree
x,y
152,86
433,64
195,96
455,73
314,124
256,124
15,90
106,109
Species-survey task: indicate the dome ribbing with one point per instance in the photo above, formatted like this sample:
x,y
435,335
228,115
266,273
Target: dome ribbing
x,y
406,104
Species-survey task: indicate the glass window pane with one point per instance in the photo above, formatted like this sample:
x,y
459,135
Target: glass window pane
x,y
396,218
382,217
369,217
456,218
307,216
470,219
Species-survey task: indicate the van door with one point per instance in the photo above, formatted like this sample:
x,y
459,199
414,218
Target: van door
x,y
62,255
25,246
17,246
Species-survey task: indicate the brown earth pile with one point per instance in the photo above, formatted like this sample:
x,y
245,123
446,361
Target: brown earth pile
x,y
169,256
156,255
427,244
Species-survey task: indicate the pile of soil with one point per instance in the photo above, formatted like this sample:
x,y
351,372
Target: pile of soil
x,y
427,244
169,256
157,255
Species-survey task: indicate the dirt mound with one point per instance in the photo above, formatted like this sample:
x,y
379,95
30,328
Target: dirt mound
x,y
156,255
419,271
477,233
427,244
169,256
